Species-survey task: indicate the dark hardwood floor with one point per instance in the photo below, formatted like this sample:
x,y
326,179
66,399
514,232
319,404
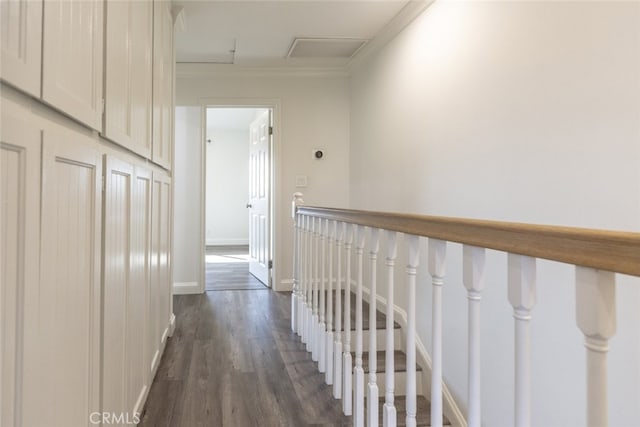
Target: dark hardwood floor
x,y
233,361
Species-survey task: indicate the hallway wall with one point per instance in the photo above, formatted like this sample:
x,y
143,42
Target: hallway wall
x,y
526,112
314,114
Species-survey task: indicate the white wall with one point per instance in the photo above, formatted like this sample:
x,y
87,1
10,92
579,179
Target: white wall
x,y
520,111
314,113
227,221
186,181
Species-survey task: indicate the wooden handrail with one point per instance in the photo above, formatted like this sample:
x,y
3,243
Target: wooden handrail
x,y
615,251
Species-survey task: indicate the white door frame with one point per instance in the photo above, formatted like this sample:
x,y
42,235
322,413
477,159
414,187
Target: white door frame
x,y
274,105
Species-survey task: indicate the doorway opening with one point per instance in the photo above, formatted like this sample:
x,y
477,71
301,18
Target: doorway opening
x,y
238,176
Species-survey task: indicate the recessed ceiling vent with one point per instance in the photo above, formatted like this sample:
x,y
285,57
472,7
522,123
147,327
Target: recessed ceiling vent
x,y
325,47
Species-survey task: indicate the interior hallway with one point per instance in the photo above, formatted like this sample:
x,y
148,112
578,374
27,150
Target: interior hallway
x,y
233,361
227,268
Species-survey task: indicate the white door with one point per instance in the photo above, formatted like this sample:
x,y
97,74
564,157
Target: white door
x,y
259,173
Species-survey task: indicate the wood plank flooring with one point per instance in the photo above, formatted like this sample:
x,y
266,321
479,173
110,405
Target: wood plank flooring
x,y
227,268
233,361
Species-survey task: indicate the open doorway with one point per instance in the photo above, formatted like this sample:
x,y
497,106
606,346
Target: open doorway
x,y
237,198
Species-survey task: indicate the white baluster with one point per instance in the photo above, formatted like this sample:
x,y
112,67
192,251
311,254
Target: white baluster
x,y
322,327
437,260
473,262
303,279
414,257
315,325
347,368
297,280
358,416
596,318
389,411
297,198
372,389
337,362
309,263
522,296
328,377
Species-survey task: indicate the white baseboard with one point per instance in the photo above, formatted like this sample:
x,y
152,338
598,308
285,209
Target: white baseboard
x,y
286,285
227,242
172,324
186,288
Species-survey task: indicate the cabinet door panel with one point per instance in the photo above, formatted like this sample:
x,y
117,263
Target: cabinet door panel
x,y
19,239
69,299
116,283
72,59
21,40
128,74
138,378
160,286
162,84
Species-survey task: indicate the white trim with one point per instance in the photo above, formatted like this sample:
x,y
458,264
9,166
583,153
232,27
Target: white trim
x,y
286,285
186,288
172,324
227,242
411,11
199,69
451,409
274,104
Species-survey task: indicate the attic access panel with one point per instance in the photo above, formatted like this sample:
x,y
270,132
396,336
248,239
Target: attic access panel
x,y
325,47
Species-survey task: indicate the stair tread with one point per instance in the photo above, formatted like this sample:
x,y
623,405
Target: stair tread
x,y
423,415
399,361
381,318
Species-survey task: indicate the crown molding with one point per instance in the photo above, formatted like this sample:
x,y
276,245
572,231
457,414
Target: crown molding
x,y
406,16
200,70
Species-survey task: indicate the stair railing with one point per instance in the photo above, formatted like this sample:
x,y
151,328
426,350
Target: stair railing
x,y
597,255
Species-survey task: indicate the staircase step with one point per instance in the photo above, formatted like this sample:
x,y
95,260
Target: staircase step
x,y
423,415
381,318
400,371
399,361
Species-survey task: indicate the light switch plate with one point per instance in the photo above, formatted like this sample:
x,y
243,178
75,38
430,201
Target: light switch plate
x,y
301,181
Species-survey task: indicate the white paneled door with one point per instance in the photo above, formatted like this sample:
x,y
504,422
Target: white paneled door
x,y
116,284
19,241
72,59
162,83
69,290
21,41
259,200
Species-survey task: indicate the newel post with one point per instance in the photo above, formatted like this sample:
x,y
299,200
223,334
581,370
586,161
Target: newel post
x,y
297,200
596,318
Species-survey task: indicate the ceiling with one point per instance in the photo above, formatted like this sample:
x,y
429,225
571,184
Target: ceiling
x,y
262,33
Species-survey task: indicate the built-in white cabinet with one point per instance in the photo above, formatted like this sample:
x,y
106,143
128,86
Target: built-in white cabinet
x,y
136,315
72,58
162,84
20,144
139,378
117,282
69,297
128,74
21,41
85,228
160,291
